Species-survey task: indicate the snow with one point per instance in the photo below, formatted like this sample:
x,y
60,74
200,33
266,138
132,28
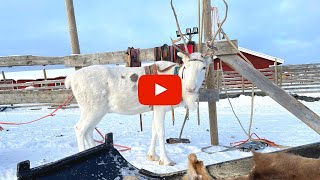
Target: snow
x,y
53,138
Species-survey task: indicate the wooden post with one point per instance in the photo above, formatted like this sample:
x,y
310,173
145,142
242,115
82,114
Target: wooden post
x,y
207,24
281,76
141,128
210,78
212,109
242,84
72,27
275,92
199,27
44,74
3,76
218,76
276,72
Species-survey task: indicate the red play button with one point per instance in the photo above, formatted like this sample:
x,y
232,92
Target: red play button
x,y
159,90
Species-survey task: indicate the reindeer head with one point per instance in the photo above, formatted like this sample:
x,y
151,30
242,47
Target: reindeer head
x,y
193,69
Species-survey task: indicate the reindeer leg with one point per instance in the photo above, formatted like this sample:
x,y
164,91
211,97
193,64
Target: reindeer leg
x,y
152,156
93,119
159,117
80,132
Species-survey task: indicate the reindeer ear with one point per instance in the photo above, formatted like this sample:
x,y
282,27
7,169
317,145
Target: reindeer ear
x,y
184,57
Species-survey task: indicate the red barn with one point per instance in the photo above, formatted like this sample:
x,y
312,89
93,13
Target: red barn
x,y
258,60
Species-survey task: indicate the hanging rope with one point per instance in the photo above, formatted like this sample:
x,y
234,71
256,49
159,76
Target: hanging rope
x,y
226,91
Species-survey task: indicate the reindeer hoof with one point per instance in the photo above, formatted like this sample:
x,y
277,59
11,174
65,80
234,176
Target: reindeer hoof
x,y
167,163
153,157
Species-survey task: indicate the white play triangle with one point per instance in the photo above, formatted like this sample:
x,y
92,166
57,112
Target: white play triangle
x,y
159,89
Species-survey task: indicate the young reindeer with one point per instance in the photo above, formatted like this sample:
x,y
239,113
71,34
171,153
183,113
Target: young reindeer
x,y
100,90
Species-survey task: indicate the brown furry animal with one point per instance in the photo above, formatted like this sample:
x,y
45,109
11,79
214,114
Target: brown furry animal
x,y
196,169
284,166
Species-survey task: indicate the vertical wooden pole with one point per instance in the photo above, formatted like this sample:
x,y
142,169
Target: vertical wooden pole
x,y
44,74
210,78
218,76
242,84
141,128
281,76
276,71
212,109
207,20
3,76
199,19
72,27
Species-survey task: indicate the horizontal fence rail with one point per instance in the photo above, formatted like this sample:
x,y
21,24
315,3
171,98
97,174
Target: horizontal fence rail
x,y
81,60
301,78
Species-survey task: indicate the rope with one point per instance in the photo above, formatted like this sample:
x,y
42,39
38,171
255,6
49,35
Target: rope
x,y
252,92
50,114
125,148
257,139
224,85
53,113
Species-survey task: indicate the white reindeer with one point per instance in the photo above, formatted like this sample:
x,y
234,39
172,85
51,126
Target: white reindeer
x,y
100,90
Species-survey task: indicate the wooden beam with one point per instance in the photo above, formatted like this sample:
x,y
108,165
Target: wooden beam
x,y
212,107
146,55
72,27
32,83
28,60
21,96
276,93
25,97
207,95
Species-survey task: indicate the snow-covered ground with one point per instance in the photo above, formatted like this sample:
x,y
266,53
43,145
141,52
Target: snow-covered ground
x,y
54,138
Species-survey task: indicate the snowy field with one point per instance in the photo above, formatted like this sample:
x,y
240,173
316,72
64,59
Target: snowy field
x,y
54,138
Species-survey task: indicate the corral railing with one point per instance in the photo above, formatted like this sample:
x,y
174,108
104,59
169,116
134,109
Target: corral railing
x,y
302,78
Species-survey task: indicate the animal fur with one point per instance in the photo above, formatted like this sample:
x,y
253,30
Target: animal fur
x,y
196,169
284,166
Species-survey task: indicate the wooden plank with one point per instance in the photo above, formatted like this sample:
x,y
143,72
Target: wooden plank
x,y
33,95
27,97
32,83
279,95
299,88
41,88
28,60
207,95
146,55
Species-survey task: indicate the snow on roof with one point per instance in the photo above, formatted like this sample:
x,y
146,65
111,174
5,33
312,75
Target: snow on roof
x,y
271,58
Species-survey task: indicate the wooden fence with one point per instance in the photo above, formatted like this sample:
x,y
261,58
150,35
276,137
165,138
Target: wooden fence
x,y
302,78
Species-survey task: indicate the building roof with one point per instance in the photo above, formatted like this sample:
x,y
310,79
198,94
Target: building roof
x,y
271,58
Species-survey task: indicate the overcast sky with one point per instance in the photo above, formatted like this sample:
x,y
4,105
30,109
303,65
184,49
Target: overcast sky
x,y
288,29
